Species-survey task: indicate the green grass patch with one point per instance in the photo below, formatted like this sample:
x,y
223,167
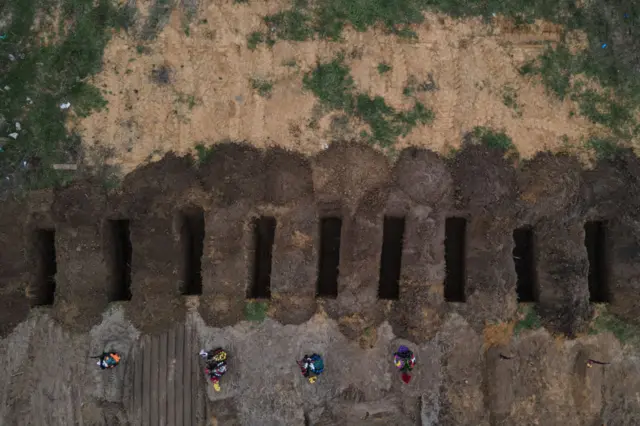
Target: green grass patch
x,y
611,59
263,87
383,68
289,25
158,18
203,153
625,332
44,76
604,148
333,85
254,39
327,19
530,320
414,86
493,139
510,99
255,310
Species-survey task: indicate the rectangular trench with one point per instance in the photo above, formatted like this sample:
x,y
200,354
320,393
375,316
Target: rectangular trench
x,y
596,244
524,260
391,258
44,246
192,242
455,257
118,255
329,260
264,230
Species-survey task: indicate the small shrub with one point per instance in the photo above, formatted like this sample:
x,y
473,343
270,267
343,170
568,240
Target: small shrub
x,y
254,39
510,99
203,153
263,87
383,68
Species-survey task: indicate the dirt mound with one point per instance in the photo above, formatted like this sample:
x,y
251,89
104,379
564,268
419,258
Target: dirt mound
x,y
152,188
549,184
287,176
234,172
612,186
484,180
354,185
346,171
423,176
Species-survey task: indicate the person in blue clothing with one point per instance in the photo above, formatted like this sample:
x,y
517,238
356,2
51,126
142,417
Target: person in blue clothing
x,y
311,367
108,360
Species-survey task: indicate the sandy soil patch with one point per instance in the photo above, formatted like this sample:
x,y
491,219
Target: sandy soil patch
x,y
209,96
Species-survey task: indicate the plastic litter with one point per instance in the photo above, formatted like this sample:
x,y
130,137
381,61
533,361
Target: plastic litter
x,y
3,37
29,101
65,167
18,126
604,45
13,135
7,88
11,57
65,105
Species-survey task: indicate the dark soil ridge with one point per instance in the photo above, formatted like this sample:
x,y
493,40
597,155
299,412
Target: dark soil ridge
x,y
550,193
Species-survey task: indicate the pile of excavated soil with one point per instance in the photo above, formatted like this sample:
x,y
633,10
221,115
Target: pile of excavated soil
x,y
192,85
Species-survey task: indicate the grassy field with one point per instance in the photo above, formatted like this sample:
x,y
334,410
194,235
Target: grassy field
x,y
48,65
611,60
51,48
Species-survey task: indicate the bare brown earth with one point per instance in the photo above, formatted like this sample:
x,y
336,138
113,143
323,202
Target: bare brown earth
x,y
208,97
461,378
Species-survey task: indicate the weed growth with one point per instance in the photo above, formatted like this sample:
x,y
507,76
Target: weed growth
x,y
604,148
612,58
203,153
530,320
383,68
263,87
333,85
510,99
255,310
493,139
625,332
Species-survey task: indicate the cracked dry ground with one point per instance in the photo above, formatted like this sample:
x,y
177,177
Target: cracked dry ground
x,y
444,299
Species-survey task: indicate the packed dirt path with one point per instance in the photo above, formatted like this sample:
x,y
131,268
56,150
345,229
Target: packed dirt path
x,y
202,90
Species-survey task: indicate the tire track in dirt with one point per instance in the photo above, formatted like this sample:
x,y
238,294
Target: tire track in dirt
x,y
446,103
